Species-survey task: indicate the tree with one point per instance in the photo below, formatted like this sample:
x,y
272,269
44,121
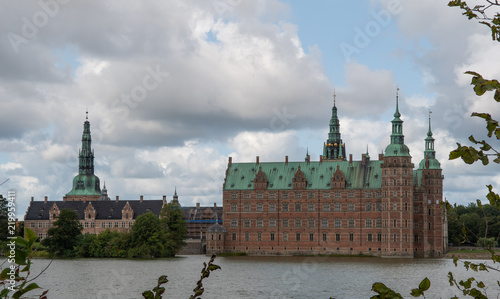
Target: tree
x,y
63,237
148,237
3,218
175,225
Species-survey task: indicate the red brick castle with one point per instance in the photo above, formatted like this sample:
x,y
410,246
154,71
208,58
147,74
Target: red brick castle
x,y
380,207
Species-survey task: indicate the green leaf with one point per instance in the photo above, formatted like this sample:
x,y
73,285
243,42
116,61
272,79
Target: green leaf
x,y
162,279
30,235
148,295
424,285
416,293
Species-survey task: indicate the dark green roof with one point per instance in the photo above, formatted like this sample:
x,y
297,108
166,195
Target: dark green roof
x,y
397,150
240,176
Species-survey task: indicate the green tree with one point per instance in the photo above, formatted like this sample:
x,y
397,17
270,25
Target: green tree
x,y
148,237
63,237
3,218
172,220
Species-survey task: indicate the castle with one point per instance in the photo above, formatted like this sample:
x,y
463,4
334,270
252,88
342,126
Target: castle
x,y
381,207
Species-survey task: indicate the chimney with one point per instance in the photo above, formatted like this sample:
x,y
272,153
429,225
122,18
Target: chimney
x,y
363,159
32,198
350,158
381,157
308,159
215,205
141,198
286,159
117,198
164,199
85,199
46,198
230,161
320,158
257,160
197,205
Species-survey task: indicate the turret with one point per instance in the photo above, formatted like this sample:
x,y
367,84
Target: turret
x,y
334,148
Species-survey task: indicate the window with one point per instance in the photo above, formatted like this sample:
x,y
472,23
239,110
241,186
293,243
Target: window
x,y
338,194
259,222
247,236
259,207
272,222
350,206
368,223
338,222
351,237
415,209
326,194
337,237
246,207
298,222
234,236
92,224
310,194
47,224
130,224
370,237
260,195
338,207
395,222
406,237
395,182
415,224
272,236
395,238
298,207
284,195
285,222
103,224
406,206
326,207
110,224
368,206
406,222
310,207
429,224
311,222
272,207
298,195
350,194
368,194
247,195
379,222
324,222
311,237
86,224
352,222
272,195
40,225
395,206
234,195
124,224
324,237
415,238
379,237
378,194
234,207
429,212
378,206
259,236
395,193
284,207
297,236
234,223
116,224
285,236
247,222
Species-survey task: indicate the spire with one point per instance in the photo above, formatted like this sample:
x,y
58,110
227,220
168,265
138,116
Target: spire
x,y
367,154
397,146
429,142
397,114
175,197
334,149
86,156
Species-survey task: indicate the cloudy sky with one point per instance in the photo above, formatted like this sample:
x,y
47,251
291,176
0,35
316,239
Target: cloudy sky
x,y
175,87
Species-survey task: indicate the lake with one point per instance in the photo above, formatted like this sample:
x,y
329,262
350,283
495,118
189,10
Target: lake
x,y
250,277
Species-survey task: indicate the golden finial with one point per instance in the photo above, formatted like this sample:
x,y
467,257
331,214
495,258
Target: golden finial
x,y
334,96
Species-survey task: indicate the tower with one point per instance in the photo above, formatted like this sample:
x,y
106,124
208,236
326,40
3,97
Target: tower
x,y
334,148
397,192
432,232
86,185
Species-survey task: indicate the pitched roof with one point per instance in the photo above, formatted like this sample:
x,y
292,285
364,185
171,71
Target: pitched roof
x,y
39,210
240,176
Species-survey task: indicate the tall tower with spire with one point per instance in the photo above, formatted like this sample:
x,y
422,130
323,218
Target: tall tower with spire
x,y
334,148
86,185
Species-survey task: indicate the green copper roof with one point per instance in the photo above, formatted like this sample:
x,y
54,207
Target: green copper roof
x,y
397,146
429,152
240,176
334,148
397,150
86,183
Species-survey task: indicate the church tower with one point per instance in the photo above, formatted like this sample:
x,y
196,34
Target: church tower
x,y
86,185
397,192
334,148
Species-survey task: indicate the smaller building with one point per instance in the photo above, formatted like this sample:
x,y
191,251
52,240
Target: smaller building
x,y
216,235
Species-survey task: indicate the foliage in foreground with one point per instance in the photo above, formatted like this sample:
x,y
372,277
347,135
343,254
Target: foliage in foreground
x,y
15,277
157,292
